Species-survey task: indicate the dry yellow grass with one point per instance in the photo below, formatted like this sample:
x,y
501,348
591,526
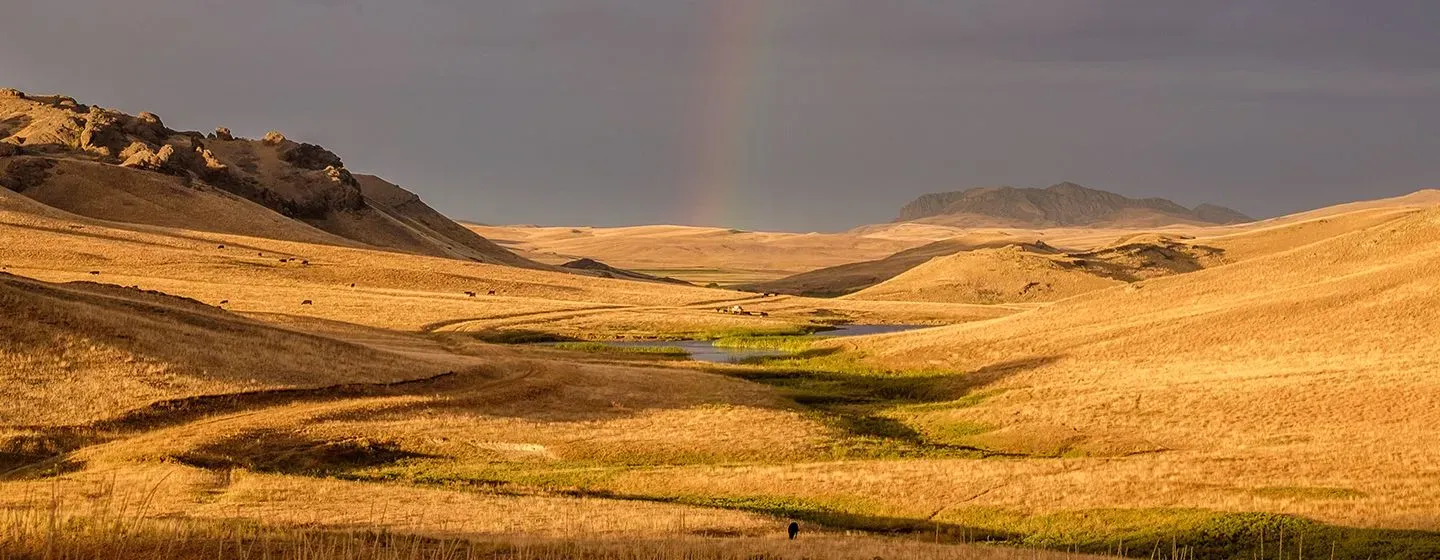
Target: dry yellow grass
x,y
702,254
1310,369
1013,274
1296,379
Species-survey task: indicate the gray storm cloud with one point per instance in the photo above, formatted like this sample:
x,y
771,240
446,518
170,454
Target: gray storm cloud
x,y
594,112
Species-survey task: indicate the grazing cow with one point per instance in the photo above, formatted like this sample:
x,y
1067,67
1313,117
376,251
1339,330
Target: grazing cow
x,y
764,314
284,260
794,530
306,302
306,263
219,246
95,273
224,301
491,292
352,284
259,254
470,294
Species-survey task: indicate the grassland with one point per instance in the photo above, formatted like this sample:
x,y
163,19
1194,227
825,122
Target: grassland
x,y
668,352
1196,415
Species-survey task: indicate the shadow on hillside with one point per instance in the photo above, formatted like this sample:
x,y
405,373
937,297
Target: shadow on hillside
x,y
43,453
14,124
296,453
853,401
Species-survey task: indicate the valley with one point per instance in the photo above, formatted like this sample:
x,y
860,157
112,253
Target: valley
x,y
251,351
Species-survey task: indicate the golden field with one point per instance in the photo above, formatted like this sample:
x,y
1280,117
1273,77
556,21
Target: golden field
x,y
204,377
1130,413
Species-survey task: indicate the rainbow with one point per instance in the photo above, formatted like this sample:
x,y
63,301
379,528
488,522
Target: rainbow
x,y
731,73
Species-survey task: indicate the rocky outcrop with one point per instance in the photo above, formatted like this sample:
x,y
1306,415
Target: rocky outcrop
x,y
1064,204
139,156
309,156
22,174
301,181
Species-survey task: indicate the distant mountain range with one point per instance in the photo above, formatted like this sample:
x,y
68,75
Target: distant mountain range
x,y
1065,204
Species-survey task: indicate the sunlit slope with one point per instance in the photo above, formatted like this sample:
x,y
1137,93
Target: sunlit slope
x,y
700,249
1234,242
846,278
77,352
109,165
256,275
1040,273
1007,275
113,193
1331,343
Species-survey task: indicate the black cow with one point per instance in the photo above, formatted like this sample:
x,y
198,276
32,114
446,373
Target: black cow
x,y
794,530
306,302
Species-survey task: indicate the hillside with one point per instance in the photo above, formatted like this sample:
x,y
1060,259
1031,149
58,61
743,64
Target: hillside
x,y
1254,345
83,351
851,277
607,271
109,165
1064,204
1039,273
702,255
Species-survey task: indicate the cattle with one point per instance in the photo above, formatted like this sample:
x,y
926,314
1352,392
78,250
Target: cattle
x,y
352,284
306,263
764,314
284,260
794,530
469,294
259,254
224,301
491,292
307,302
94,273
219,246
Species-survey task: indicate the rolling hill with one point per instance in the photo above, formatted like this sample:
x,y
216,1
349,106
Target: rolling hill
x,y
704,254
109,165
1035,272
1064,204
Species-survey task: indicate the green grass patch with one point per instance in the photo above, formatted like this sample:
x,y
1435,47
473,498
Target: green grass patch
x,y
667,352
785,343
968,401
755,332
1307,493
516,336
959,429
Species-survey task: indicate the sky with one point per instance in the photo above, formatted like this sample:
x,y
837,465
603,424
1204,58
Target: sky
x,y
794,115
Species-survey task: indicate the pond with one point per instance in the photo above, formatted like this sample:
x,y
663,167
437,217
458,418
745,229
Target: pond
x,y
706,351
